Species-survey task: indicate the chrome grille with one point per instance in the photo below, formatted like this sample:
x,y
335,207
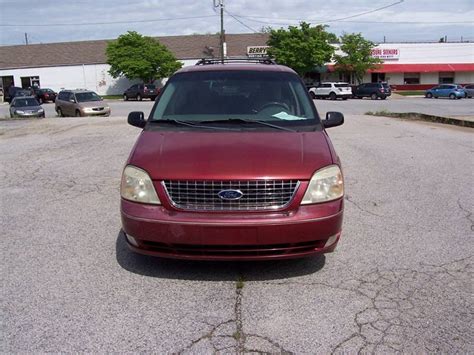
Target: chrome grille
x,y
257,195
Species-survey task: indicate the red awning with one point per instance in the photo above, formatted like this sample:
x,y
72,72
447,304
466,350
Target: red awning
x,y
419,68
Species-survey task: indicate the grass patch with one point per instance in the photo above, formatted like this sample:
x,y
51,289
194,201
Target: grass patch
x,y
410,92
112,97
240,283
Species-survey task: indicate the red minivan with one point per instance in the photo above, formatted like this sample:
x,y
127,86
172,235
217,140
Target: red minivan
x,y
233,163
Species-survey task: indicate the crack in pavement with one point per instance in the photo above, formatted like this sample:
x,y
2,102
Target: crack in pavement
x,y
468,214
349,199
229,335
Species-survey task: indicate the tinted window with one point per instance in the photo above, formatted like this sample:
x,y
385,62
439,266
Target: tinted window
x,y
341,85
87,96
63,95
218,95
150,87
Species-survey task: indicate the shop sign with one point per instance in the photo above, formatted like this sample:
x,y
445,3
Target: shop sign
x,y
386,53
257,51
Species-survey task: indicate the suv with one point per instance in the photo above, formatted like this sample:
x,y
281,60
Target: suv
x,y
80,103
233,163
372,90
331,91
141,91
44,95
469,91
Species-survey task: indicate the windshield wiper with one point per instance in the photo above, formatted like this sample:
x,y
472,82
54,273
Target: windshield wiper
x,y
240,120
189,124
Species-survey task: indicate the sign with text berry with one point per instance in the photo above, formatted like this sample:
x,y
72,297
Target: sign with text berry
x,y
257,51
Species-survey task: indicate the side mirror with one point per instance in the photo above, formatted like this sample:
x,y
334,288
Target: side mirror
x,y
136,119
72,100
333,119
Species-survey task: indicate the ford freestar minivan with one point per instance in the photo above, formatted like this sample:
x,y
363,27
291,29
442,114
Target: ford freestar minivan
x,y
233,163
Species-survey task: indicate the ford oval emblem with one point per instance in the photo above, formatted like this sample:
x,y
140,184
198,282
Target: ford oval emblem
x,y
230,195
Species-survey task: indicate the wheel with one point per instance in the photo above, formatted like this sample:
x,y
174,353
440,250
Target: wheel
x,y
153,98
78,113
465,95
452,96
312,94
59,112
344,98
332,96
125,97
373,96
429,95
40,100
139,97
383,97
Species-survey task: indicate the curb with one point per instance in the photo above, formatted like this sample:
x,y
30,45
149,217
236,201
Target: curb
x,y
429,118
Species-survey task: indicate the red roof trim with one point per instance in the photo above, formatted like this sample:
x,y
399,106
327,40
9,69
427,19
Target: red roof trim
x,y
419,68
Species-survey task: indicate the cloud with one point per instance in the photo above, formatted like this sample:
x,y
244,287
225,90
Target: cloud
x,y
20,12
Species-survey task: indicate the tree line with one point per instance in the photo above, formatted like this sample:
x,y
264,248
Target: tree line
x,y
302,48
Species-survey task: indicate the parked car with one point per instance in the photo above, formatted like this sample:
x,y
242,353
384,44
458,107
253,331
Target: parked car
x,y
44,95
452,91
373,90
25,106
80,103
233,163
14,91
331,91
141,91
469,90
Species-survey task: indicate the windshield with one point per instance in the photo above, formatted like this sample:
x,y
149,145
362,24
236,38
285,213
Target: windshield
x,y
26,102
87,96
224,95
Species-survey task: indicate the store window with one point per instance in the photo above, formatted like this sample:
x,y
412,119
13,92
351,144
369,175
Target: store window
x,y
30,81
377,77
411,78
446,77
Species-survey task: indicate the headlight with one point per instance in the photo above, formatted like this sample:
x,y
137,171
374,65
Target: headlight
x,y
40,110
19,111
326,184
137,186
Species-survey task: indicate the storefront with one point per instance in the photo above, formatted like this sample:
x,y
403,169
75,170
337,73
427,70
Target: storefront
x,y
418,66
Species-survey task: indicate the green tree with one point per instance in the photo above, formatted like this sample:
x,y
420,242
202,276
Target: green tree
x,y
302,48
140,57
356,57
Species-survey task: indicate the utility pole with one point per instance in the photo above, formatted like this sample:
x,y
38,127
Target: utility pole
x,y
26,38
220,3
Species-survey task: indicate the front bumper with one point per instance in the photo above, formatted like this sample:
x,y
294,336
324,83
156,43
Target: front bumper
x,y
29,115
104,112
164,232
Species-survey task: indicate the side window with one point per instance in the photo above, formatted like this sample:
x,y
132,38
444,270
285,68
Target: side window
x,y
62,95
71,96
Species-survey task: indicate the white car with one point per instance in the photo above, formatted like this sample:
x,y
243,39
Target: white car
x,y
331,91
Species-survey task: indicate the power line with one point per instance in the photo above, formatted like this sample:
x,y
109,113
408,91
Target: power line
x,y
239,21
103,23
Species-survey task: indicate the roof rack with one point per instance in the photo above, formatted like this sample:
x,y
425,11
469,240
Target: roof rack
x,y
209,61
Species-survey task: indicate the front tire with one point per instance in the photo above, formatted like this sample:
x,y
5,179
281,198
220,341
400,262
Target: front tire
x,y
313,95
40,100
332,96
139,97
452,96
59,112
373,96
78,113
429,95
125,97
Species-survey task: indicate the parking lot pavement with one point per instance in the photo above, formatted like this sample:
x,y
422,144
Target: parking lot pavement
x,y
400,280
439,107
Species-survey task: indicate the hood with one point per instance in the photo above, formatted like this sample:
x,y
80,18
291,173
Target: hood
x,y
28,108
230,155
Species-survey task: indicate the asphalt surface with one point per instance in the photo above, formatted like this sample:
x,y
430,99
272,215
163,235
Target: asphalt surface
x,y
399,281
437,107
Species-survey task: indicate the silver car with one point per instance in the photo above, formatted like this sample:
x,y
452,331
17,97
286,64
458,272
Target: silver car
x,y
80,103
25,106
469,90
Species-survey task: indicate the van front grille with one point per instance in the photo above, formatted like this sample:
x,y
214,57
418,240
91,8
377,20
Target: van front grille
x,y
253,195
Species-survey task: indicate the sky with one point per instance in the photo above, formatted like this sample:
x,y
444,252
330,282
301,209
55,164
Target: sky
x,y
47,21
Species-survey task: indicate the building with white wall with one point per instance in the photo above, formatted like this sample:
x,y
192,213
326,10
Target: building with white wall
x,y
406,66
